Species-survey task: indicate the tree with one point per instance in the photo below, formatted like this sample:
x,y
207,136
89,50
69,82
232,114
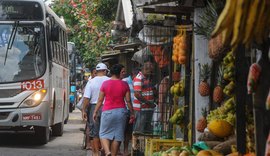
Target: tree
x,y
89,25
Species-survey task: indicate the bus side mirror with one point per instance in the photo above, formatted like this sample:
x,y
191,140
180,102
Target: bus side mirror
x,y
55,33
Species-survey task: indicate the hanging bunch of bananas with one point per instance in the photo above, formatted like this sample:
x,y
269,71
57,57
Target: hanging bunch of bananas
x,y
244,22
229,66
178,116
229,88
178,88
229,73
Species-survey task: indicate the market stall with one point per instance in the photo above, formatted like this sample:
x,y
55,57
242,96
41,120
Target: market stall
x,y
216,100
238,47
170,45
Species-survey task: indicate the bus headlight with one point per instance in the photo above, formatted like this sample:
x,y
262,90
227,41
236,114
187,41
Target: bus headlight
x,y
35,99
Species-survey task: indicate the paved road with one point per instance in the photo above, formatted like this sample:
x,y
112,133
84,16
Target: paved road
x,y
67,145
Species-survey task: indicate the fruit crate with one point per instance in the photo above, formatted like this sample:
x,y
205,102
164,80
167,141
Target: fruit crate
x,y
138,144
155,145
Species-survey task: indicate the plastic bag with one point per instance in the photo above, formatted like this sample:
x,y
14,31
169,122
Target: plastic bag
x,y
79,105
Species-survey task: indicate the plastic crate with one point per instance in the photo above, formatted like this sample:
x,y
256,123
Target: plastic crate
x,y
138,144
155,145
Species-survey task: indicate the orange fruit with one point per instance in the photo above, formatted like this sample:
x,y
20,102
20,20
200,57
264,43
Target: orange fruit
x,y
174,58
181,59
183,45
182,52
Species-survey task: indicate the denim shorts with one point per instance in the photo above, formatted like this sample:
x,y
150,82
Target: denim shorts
x,y
94,126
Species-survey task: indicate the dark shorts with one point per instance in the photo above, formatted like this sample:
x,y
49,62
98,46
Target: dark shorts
x,y
143,121
93,126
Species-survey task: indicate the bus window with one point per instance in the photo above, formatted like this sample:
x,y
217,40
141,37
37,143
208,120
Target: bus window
x,y
26,58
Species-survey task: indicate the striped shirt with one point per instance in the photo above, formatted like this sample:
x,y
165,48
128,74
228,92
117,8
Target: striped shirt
x,y
141,84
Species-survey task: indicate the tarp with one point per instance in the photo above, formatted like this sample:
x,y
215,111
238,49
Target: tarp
x,y
156,35
140,55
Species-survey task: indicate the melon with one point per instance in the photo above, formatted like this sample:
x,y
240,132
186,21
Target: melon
x,y
184,153
208,153
204,153
220,128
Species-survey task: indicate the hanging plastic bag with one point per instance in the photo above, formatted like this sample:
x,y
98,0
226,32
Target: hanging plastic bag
x,y
253,77
79,105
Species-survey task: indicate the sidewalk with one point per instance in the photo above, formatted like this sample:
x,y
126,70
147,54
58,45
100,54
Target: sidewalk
x,y
120,153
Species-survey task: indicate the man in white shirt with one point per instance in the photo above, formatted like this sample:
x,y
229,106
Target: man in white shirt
x,y
91,94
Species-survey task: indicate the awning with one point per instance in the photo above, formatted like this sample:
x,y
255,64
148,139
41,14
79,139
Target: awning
x,y
128,12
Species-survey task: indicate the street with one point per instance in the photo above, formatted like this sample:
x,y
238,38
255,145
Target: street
x,y
67,145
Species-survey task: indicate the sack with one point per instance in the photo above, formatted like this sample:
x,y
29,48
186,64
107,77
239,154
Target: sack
x,y
79,105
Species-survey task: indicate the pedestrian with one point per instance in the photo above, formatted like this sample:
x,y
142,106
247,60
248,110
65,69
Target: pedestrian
x,y
87,130
129,126
93,73
114,93
144,93
90,100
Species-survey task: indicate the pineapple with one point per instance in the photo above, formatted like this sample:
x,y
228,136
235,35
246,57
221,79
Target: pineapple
x,y
205,26
202,122
204,88
218,90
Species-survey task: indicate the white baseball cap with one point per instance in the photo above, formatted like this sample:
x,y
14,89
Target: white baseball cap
x,y
101,66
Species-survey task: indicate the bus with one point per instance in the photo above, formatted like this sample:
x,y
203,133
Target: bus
x,y
34,73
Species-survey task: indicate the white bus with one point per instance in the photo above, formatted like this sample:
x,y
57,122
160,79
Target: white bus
x,y
34,74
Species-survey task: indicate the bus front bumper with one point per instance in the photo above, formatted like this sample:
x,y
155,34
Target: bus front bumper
x,y
25,117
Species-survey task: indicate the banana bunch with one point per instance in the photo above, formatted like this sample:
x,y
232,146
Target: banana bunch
x,y
225,112
229,88
178,89
229,58
178,116
229,67
244,22
229,72
229,104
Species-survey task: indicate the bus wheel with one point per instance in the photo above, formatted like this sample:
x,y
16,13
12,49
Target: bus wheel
x,y
57,129
42,134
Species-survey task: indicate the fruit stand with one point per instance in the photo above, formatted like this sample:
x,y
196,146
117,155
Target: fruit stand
x,y
232,82
158,40
170,47
239,117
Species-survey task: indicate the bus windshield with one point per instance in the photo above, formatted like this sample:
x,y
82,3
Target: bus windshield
x,y
24,58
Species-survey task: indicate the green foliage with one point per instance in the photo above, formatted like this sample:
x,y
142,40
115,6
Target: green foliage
x,y
107,9
208,18
88,28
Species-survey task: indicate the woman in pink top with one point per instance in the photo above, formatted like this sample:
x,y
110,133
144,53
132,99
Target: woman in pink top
x,y
116,94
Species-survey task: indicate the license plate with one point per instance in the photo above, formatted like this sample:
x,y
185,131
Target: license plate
x,y
31,117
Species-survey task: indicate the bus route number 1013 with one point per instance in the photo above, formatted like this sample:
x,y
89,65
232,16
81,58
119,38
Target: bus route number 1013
x,y
32,85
